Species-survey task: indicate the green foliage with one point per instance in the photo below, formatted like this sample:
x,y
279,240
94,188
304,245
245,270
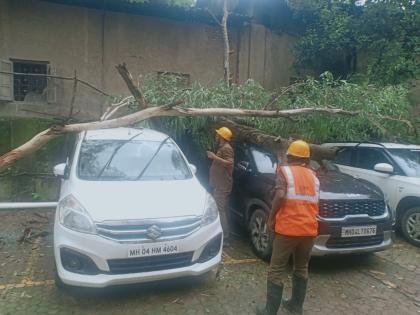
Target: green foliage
x,y
36,196
381,36
374,103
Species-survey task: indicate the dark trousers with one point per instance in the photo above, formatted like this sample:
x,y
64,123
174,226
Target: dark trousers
x,y
284,246
222,200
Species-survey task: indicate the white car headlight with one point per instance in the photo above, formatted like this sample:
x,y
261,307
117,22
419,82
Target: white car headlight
x,y
73,216
210,210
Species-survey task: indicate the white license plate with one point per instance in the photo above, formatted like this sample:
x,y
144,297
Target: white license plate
x,y
354,231
154,249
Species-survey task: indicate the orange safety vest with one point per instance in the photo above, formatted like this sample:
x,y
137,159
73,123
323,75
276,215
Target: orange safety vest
x,y
298,214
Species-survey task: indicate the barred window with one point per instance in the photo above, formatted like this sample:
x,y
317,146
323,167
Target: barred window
x,y
30,88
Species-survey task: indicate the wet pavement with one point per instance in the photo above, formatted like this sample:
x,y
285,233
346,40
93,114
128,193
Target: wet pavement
x,y
382,283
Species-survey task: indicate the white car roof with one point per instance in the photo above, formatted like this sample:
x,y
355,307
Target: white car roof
x,y
144,134
387,145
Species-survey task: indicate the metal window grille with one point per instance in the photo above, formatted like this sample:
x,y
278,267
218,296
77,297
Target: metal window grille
x,y
28,87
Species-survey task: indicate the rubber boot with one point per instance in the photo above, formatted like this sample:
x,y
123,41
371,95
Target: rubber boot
x,y
274,296
295,304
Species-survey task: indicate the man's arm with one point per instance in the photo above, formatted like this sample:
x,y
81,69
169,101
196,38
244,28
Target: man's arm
x,y
226,160
278,200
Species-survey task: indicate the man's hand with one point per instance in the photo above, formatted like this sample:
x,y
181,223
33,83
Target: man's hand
x,y
211,155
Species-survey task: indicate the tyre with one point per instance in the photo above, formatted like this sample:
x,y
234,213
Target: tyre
x,y
410,225
261,238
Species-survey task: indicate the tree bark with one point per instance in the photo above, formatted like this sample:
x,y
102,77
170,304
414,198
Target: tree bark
x,y
134,90
274,144
226,46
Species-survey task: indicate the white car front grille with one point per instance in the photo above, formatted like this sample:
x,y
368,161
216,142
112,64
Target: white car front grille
x,y
135,231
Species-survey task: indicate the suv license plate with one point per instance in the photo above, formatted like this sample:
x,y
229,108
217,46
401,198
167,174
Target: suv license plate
x,y
154,250
354,231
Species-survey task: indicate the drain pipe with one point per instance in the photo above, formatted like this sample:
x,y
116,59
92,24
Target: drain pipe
x,y
27,205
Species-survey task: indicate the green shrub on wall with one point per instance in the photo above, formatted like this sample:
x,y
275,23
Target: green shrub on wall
x,y
30,178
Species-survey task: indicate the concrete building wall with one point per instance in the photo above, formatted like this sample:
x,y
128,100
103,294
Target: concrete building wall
x,y
92,42
279,60
265,57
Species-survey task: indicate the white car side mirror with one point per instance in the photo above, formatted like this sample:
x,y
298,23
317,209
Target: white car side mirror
x,y
60,169
193,168
384,168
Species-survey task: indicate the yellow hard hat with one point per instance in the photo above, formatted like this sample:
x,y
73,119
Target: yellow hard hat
x,y
299,148
225,133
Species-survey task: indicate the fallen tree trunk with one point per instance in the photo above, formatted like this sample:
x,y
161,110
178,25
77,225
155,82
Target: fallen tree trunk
x,y
275,144
170,110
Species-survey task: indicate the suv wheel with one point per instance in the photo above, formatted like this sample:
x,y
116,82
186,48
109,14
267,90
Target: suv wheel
x,y
410,225
261,238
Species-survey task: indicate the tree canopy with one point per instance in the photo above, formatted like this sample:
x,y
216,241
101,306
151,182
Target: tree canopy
x,y
384,111
378,37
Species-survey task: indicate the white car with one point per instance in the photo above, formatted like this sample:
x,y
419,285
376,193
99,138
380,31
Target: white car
x,y
131,210
395,168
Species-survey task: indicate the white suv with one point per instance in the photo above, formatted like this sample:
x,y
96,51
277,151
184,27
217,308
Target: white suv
x,y
395,168
131,210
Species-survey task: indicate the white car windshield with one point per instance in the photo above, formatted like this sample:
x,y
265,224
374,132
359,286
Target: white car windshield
x,y
408,160
131,160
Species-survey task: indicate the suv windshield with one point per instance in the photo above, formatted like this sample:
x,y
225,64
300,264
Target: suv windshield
x,y
408,160
266,164
325,166
127,160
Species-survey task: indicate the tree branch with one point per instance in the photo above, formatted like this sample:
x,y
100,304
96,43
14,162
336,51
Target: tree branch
x,y
134,90
73,96
168,110
214,17
226,48
114,107
274,144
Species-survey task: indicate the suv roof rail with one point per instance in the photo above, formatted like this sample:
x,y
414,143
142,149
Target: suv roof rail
x,y
361,142
370,142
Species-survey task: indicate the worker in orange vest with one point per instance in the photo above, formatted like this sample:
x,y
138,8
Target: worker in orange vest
x,y
293,218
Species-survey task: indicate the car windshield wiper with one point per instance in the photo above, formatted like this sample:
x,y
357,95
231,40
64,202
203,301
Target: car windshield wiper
x,y
115,152
151,159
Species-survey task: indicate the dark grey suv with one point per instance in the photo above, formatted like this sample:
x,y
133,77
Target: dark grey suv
x,y
353,217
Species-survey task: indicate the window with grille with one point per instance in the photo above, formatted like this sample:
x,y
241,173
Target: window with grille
x,y
28,83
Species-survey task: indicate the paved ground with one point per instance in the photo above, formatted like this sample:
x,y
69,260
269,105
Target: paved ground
x,y
383,283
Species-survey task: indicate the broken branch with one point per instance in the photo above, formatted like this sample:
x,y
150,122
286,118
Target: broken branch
x,y
134,90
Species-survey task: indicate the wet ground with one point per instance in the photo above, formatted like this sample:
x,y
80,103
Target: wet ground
x,y
383,283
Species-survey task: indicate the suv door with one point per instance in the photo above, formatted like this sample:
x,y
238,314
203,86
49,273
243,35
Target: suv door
x,y
365,160
242,173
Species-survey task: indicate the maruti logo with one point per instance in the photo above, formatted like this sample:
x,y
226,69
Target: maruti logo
x,y
153,232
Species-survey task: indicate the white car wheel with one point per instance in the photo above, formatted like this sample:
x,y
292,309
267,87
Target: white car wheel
x,y
410,224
